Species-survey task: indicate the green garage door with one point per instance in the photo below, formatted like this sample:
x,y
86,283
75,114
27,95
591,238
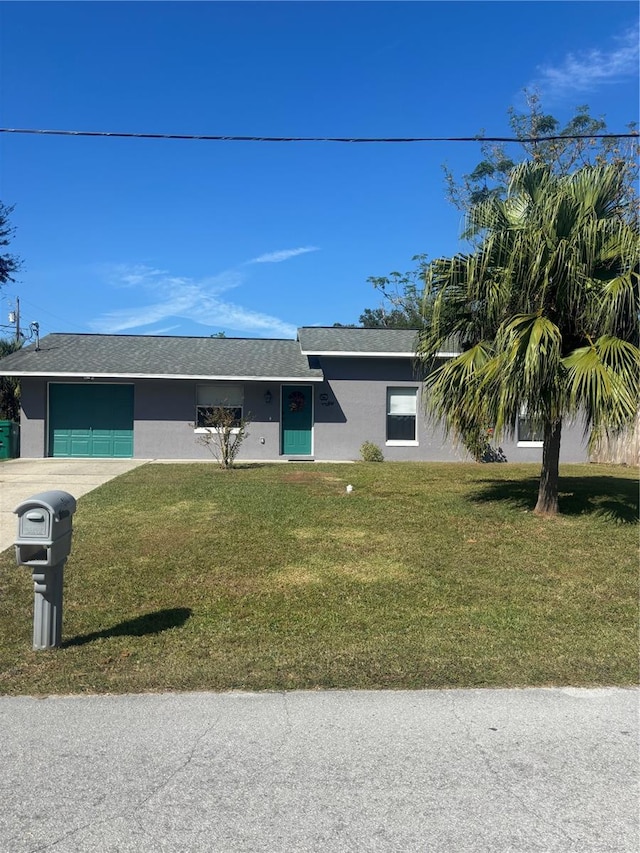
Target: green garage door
x,y
91,420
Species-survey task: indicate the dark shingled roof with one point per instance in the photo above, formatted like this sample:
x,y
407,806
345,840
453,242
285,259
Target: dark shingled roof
x,y
337,339
147,355
341,340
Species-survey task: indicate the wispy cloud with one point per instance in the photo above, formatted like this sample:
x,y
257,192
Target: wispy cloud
x,y
198,300
164,331
129,275
586,71
282,255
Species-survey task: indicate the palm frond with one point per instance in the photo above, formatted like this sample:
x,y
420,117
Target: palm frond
x,y
604,383
529,179
530,372
618,304
450,390
597,190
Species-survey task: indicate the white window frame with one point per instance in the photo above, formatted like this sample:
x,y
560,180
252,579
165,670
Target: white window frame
x,y
524,442
410,392
220,395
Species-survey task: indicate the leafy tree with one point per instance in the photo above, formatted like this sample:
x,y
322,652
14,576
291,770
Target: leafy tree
x,y
402,295
9,264
545,308
490,177
9,388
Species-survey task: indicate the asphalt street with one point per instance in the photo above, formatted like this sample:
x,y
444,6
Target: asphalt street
x,y
452,770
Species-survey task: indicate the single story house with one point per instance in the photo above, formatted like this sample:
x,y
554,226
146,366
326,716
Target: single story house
x,y
316,398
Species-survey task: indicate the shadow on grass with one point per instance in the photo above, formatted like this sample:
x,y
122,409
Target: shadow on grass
x,y
613,498
150,623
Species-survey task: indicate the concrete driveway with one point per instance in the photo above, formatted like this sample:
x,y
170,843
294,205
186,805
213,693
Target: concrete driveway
x,y
20,478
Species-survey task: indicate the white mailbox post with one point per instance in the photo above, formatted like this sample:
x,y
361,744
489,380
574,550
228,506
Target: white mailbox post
x,y
43,544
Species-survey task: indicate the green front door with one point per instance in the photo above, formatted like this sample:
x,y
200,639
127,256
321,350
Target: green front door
x,y
297,420
91,420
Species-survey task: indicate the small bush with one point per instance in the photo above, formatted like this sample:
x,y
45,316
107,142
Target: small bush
x,y
477,440
224,433
370,452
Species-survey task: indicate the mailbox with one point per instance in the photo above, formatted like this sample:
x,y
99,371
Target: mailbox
x,y
44,528
43,544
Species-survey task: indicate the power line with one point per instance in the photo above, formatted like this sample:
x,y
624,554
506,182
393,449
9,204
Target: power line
x,y
40,310
353,139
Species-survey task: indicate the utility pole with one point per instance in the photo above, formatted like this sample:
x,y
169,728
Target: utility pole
x,y
14,317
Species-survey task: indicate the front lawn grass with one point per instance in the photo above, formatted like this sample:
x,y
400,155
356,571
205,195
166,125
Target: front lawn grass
x,y
186,577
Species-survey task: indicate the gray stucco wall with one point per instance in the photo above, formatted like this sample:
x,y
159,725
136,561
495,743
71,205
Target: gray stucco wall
x,y
357,399
165,411
349,408
358,413
33,402
572,448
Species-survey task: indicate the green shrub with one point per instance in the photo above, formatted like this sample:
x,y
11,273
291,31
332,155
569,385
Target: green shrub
x,y
370,452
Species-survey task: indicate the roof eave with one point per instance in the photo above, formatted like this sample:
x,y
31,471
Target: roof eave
x,y
88,374
360,354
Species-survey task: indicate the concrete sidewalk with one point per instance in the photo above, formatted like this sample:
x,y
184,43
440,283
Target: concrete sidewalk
x,y
21,478
425,771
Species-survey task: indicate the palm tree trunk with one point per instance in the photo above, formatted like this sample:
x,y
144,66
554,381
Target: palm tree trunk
x,y
548,490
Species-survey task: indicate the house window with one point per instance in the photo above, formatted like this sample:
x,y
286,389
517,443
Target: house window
x,y
212,397
528,435
401,416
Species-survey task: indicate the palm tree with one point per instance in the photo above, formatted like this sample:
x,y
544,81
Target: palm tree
x,y
545,308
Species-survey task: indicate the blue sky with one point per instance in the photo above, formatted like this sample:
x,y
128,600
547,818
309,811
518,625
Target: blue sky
x,y
256,239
